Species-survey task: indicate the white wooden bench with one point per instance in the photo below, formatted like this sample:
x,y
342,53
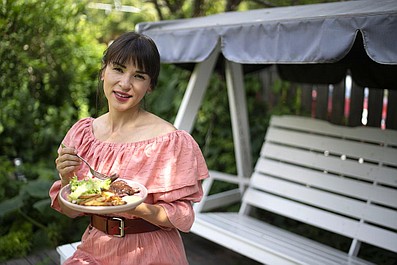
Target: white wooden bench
x,y
339,179
67,250
336,178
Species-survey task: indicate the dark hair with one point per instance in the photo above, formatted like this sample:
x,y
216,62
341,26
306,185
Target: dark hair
x,y
132,47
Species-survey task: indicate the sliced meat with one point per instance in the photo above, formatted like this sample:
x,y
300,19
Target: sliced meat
x,y
121,188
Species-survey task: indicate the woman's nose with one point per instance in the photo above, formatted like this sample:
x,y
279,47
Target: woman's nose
x,y
125,82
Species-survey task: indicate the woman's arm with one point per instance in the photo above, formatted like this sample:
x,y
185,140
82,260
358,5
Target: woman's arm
x,y
152,213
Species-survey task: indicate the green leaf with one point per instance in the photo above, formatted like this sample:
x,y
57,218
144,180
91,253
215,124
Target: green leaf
x,y
38,188
43,205
11,205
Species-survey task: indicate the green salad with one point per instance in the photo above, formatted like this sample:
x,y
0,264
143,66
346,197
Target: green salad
x,y
87,186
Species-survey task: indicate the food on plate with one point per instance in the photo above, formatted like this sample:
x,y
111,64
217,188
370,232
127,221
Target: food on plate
x,y
121,188
86,187
96,192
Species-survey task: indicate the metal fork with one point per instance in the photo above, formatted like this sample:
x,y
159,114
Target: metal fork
x,y
94,172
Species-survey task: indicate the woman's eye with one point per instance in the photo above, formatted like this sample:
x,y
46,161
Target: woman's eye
x,y
139,77
118,69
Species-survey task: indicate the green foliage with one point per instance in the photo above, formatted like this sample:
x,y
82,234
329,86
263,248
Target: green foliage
x,y
167,96
30,207
7,188
49,64
108,25
17,243
50,56
48,69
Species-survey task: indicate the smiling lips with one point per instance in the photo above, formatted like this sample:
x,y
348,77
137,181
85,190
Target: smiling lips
x,y
121,96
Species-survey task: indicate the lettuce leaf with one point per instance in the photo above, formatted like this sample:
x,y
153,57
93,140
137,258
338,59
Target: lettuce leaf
x,y
87,186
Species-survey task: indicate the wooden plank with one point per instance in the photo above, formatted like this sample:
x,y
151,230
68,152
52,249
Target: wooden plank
x,y
75,244
41,258
53,255
366,134
327,181
239,118
333,202
220,236
195,91
278,239
217,175
65,251
221,199
322,219
18,262
377,236
333,164
237,232
330,165
333,146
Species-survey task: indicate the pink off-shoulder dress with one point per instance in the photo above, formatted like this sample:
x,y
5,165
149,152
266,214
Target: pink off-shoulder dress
x,y
171,166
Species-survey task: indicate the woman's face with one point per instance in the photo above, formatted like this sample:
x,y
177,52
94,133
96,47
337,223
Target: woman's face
x,y
124,86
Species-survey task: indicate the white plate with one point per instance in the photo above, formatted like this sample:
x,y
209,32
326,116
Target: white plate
x,y
132,201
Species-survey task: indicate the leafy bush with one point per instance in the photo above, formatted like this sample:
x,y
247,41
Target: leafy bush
x,y
17,243
49,64
50,56
27,222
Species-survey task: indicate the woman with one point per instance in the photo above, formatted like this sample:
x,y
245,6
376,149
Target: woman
x,y
139,146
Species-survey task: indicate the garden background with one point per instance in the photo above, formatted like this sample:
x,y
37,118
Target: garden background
x,y
50,53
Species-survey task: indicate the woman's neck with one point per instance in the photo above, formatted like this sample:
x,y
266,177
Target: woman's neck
x,y
117,120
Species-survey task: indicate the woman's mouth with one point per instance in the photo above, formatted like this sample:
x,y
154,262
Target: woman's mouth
x,y
121,96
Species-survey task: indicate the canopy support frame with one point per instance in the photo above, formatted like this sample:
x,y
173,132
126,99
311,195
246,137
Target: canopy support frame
x,y
239,118
195,91
189,108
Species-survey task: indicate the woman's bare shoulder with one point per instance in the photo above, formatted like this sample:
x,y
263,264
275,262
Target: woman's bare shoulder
x,y
157,125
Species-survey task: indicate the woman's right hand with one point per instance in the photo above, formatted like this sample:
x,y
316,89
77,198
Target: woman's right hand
x,y
67,163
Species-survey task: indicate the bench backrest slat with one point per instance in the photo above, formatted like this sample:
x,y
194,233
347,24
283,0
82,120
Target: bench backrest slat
x,y
313,165
369,134
355,209
365,172
337,178
335,146
351,228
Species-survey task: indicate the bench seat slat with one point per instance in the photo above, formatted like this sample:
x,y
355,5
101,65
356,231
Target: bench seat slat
x,y
292,248
279,239
322,219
